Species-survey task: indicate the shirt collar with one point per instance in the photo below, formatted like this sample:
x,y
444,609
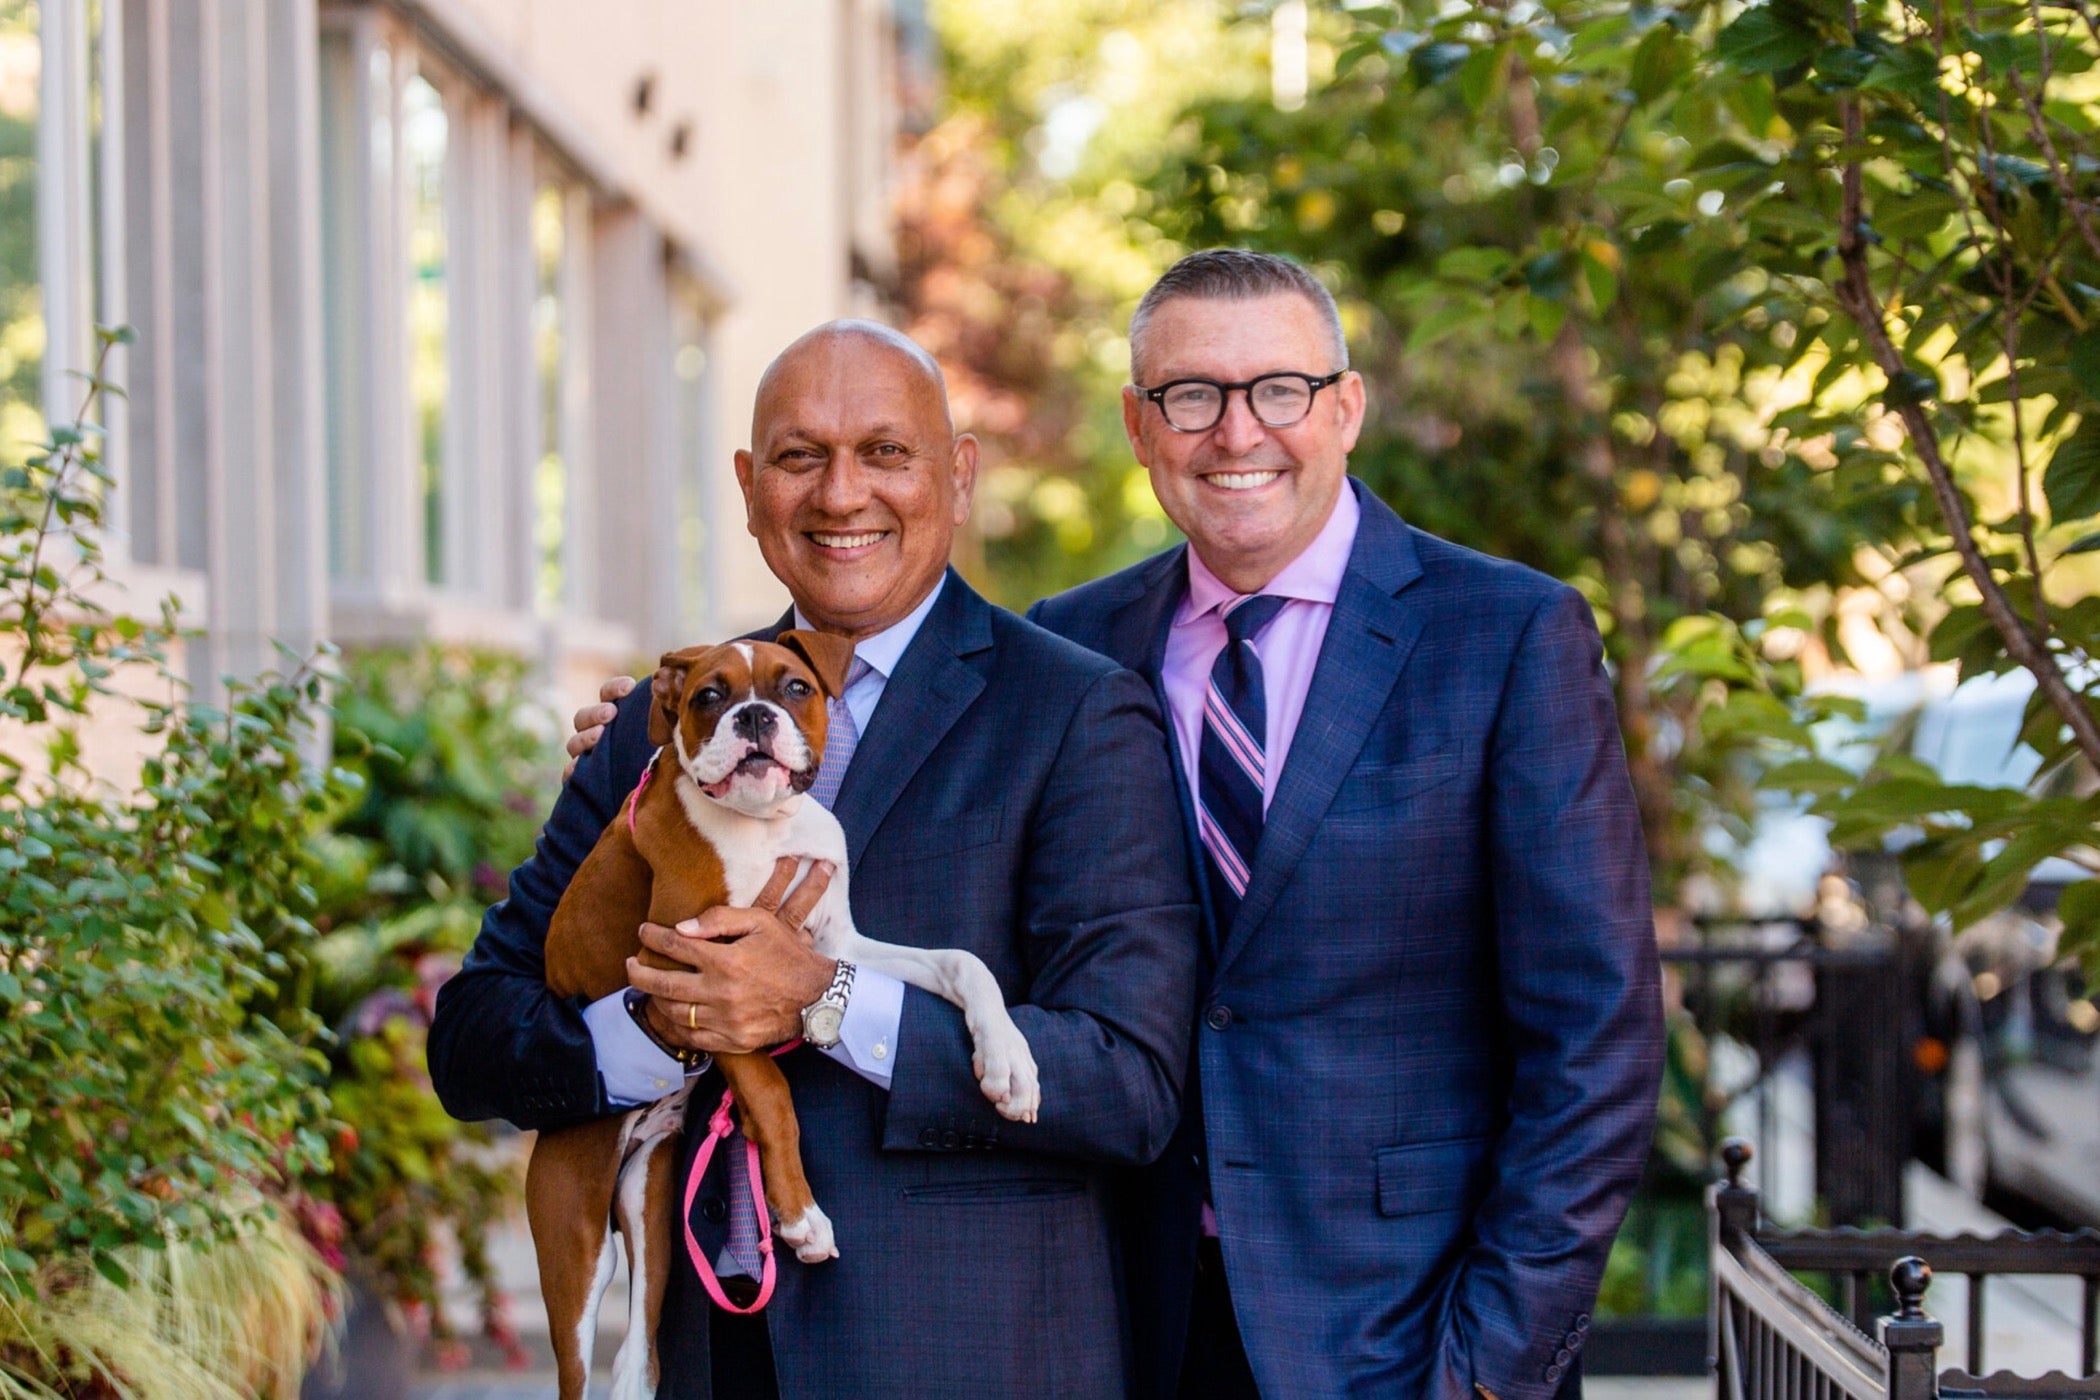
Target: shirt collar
x,y
886,648
1315,576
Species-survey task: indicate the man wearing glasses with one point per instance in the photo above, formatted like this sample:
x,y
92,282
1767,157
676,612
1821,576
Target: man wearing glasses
x,y
1429,1041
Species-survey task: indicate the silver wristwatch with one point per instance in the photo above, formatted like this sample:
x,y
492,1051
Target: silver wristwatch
x,y
822,1018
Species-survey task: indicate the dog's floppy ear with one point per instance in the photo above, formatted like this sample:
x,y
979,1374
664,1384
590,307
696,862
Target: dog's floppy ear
x,y
666,690
830,657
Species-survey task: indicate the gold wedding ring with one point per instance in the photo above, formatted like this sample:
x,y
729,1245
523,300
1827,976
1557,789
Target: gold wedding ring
x,y
692,1017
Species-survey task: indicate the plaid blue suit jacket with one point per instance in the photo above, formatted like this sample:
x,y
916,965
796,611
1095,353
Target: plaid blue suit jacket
x,y
1430,1046
1011,796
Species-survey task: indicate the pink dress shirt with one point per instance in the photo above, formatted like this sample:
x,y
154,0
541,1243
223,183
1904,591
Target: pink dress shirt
x,y
1289,646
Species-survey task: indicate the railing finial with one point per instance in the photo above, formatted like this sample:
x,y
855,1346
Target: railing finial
x,y
1735,1155
1910,1276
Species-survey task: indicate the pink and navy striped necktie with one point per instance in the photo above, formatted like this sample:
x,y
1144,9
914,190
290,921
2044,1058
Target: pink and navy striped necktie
x,y
1232,768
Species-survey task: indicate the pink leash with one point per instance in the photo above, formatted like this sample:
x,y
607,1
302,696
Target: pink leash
x,y
719,1126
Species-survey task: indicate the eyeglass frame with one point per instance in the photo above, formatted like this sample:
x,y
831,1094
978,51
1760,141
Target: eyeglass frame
x,y
1314,384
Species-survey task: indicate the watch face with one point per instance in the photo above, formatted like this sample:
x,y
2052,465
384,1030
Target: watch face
x,y
820,1024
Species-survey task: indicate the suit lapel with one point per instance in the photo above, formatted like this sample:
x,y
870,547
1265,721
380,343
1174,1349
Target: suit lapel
x,y
1137,638
1369,636
933,686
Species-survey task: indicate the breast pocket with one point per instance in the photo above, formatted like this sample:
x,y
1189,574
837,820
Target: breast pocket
x,y
1372,790
945,838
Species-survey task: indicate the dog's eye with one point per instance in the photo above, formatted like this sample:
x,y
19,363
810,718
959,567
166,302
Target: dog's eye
x,y
709,696
798,688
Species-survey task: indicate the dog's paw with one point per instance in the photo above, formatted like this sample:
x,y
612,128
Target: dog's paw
x,y
810,1236
1007,1074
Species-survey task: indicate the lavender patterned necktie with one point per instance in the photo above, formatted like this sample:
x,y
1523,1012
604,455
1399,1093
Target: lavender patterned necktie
x,y
740,1254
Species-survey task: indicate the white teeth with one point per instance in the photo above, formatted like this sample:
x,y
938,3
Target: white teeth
x,y
1242,481
848,541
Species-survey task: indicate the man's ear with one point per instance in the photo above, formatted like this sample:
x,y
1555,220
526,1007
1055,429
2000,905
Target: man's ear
x,y
667,689
829,656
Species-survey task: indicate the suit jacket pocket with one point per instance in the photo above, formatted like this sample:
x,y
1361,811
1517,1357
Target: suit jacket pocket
x,y
936,839
995,1189
1426,1178
1371,790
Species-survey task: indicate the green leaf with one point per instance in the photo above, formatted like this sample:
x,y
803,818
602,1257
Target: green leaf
x,y
1843,66
2083,361
1432,63
1473,264
1662,58
2079,908
2072,482
1812,775
1479,77
1760,41
1440,323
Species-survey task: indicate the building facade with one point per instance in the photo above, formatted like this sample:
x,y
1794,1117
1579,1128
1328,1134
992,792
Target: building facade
x,y
448,312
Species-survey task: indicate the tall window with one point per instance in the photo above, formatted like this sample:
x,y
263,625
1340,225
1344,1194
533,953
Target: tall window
x,y
692,388
425,135
550,481
21,295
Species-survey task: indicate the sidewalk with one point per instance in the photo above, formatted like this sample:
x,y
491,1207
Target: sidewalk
x,y
2031,1324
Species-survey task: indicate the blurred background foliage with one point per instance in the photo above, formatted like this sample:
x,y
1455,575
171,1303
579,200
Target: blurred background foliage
x,y
451,758
1771,328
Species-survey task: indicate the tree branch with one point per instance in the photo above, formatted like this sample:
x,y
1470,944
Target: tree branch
x,y
1856,295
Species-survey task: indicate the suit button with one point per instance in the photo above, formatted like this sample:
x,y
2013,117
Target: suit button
x,y
1574,1340
1563,1357
929,1137
951,1139
1219,1018
1553,1374
714,1210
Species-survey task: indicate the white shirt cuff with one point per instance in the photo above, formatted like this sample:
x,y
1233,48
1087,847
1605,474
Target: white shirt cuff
x,y
634,1068
868,1031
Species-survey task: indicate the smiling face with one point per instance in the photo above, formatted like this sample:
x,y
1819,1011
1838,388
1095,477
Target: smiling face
x,y
855,481
1249,497
747,719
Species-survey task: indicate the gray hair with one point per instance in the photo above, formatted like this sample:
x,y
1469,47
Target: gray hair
x,y
1236,274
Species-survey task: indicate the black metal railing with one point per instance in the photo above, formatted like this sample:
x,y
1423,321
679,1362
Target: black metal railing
x,y
1774,1338
1779,987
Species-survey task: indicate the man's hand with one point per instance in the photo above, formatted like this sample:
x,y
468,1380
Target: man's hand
x,y
591,720
746,994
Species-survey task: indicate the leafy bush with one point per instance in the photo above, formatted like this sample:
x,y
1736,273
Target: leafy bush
x,y
456,765
162,1079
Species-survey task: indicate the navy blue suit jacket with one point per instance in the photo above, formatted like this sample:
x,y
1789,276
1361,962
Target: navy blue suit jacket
x,y
1011,796
1430,1046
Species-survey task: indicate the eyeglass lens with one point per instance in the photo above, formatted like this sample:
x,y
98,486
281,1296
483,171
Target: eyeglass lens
x,y
1277,401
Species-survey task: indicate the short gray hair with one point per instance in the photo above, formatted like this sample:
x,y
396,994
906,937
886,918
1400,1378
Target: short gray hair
x,y
1236,274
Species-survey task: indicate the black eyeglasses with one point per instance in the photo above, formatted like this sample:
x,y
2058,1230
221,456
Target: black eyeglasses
x,y
1275,400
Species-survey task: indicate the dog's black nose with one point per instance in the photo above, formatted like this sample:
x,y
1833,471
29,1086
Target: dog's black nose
x,y
755,722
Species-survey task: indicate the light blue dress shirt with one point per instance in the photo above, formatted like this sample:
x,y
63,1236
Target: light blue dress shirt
x,y
636,1070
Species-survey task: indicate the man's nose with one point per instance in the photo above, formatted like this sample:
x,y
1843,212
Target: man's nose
x,y
844,488
756,723
1239,431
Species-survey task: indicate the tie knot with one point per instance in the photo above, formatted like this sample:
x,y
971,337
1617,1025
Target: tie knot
x,y
855,674
1245,618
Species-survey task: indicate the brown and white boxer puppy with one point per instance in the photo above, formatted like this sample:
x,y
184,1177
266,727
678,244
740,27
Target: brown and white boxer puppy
x,y
740,730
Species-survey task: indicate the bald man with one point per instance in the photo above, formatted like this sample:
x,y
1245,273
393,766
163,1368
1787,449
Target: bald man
x,y
1009,793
